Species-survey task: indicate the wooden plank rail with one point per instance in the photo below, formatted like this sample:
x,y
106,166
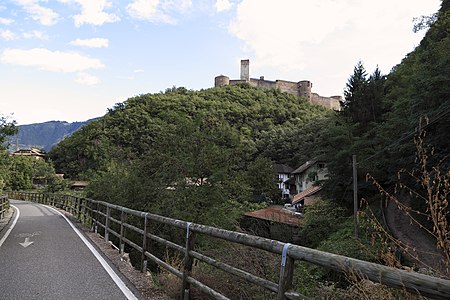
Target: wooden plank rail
x,y
4,206
101,214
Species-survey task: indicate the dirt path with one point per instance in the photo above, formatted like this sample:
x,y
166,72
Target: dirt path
x,y
417,239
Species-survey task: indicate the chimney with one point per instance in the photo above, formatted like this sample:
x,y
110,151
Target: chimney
x,y
245,69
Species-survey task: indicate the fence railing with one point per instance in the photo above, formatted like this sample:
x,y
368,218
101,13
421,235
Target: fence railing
x,y
4,205
113,221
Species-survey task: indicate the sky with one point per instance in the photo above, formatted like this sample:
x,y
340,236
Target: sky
x,y
71,60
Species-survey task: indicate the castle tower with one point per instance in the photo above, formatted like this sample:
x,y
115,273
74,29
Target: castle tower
x,y
245,70
221,80
304,89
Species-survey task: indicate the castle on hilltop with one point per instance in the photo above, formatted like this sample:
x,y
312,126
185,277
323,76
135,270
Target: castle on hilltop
x,y
301,88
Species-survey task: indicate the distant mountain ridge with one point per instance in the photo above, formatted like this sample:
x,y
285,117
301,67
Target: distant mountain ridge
x,y
43,135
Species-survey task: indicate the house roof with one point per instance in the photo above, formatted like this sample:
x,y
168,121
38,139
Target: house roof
x,y
308,192
79,184
29,152
305,166
280,168
277,214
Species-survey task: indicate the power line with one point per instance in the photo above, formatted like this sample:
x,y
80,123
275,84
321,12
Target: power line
x,y
438,117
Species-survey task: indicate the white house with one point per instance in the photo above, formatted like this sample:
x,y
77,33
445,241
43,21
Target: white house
x,y
309,173
283,174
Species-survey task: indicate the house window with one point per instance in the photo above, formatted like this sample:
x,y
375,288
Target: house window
x,y
321,165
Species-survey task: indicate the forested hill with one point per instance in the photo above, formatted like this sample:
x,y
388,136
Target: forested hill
x,y
143,151
223,116
43,135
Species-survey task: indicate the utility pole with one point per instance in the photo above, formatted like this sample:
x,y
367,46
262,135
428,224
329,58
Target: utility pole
x,y
355,196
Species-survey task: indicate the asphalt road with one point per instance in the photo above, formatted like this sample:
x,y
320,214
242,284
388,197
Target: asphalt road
x,y
43,257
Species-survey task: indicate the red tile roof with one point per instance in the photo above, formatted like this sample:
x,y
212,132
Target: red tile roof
x,y
276,214
308,192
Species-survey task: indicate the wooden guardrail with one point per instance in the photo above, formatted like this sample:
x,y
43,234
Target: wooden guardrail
x,y
4,205
101,215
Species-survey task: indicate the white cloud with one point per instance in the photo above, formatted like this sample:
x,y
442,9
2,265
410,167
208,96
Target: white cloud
x,y
7,35
93,43
223,5
138,71
147,10
158,11
326,37
87,79
35,34
176,5
5,21
92,12
55,61
43,15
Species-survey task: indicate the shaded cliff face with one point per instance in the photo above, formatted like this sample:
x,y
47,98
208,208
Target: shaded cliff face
x,y
42,135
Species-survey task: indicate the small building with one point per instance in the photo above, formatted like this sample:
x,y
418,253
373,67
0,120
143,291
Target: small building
x,y
33,152
78,185
273,222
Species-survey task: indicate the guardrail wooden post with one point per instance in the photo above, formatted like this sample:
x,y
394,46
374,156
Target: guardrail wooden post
x,y
3,203
108,216
72,206
144,245
75,207
187,263
123,219
78,208
91,214
96,218
83,204
286,273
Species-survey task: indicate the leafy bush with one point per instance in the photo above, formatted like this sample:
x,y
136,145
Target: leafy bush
x,y
321,221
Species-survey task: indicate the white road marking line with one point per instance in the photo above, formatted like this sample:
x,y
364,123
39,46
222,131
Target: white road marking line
x,y
102,261
11,227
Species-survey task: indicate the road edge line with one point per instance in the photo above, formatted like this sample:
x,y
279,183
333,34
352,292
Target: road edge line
x,y
3,239
117,280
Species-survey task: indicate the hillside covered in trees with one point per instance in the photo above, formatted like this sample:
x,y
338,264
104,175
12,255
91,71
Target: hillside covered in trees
x,y
42,135
196,154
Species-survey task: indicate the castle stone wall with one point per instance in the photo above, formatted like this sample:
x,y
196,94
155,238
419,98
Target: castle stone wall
x,y
236,81
262,84
328,102
288,87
